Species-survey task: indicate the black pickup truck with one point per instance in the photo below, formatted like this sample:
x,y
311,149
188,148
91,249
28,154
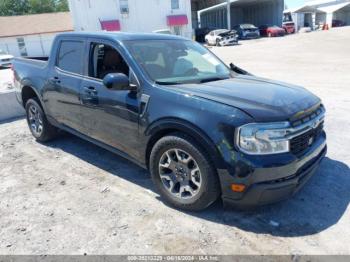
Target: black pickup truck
x,y
203,129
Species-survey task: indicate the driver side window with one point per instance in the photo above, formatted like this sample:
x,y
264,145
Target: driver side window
x,y
105,59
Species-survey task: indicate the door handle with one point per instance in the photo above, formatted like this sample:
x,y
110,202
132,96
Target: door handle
x,y
90,90
55,79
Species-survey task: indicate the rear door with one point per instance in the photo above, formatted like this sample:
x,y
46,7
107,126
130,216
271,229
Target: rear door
x,y
62,96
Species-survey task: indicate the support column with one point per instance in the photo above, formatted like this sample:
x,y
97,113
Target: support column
x,y
228,14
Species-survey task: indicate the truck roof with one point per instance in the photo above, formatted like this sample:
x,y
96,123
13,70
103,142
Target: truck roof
x,y
123,36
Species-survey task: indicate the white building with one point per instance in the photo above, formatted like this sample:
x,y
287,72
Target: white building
x,y
132,15
32,35
319,12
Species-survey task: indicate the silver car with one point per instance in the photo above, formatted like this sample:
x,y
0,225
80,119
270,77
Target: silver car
x,y
5,59
221,37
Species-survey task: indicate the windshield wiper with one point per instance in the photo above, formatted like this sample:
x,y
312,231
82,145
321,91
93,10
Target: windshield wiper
x,y
167,83
212,79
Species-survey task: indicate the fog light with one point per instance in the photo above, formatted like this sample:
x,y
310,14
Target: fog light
x,y
238,188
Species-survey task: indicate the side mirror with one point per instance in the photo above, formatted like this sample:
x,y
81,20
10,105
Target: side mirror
x,y
117,81
238,70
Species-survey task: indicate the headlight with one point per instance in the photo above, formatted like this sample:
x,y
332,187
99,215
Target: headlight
x,y
263,139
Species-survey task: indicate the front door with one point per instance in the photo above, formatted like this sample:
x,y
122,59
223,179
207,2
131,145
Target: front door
x,y
111,116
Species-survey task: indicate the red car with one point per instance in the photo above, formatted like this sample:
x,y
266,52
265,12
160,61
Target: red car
x,y
289,27
271,30
338,23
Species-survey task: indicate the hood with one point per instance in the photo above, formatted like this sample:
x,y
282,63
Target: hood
x,y
265,100
228,33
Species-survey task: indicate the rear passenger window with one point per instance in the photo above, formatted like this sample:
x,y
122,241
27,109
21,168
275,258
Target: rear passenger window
x,y
70,56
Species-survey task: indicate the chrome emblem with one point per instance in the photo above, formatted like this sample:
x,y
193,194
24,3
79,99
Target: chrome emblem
x,y
315,123
311,140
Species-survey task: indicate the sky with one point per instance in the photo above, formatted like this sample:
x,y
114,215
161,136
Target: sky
x,y
294,3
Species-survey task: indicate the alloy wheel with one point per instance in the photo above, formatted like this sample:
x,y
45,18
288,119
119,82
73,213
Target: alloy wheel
x,y
35,120
180,173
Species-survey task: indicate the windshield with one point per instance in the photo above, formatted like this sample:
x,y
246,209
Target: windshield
x,y
177,61
248,26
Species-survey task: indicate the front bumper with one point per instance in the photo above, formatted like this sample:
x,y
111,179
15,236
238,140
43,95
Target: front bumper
x,y
228,42
266,185
250,35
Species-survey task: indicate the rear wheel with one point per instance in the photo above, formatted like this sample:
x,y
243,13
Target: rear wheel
x,y
218,42
269,34
183,173
38,124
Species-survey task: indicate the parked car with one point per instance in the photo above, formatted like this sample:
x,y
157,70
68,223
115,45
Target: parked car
x,y
338,23
202,129
289,27
247,31
271,30
200,33
221,37
5,59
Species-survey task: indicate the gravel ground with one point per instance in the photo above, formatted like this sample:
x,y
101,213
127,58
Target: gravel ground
x,y
71,197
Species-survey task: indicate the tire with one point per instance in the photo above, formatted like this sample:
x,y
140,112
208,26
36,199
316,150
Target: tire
x,y
38,124
207,42
205,188
269,34
218,42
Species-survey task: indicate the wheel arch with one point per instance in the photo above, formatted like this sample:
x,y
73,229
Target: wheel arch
x,y
166,127
28,92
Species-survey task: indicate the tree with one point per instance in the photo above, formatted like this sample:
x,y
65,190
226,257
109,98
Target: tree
x,y
22,7
62,6
13,7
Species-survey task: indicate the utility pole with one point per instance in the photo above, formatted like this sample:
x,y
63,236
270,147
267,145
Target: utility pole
x,y
228,14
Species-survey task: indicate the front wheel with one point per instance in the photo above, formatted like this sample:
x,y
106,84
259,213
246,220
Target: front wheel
x,y
38,124
183,173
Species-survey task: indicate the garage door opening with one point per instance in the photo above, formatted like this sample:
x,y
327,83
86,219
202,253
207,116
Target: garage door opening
x,y
343,15
243,11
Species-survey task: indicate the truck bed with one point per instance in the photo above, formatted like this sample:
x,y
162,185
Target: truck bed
x,y
37,61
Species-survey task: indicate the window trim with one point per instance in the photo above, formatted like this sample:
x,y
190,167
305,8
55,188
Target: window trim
x,y
103,42
58,53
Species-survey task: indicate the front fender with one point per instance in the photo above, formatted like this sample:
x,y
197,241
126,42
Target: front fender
x,y
188,128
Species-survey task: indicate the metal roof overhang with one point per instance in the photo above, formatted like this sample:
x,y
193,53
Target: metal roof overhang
x,y
233,3
334,8
305,9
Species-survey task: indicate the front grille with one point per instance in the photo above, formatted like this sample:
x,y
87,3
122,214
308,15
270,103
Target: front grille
x,y
309,117
6,60
301,143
